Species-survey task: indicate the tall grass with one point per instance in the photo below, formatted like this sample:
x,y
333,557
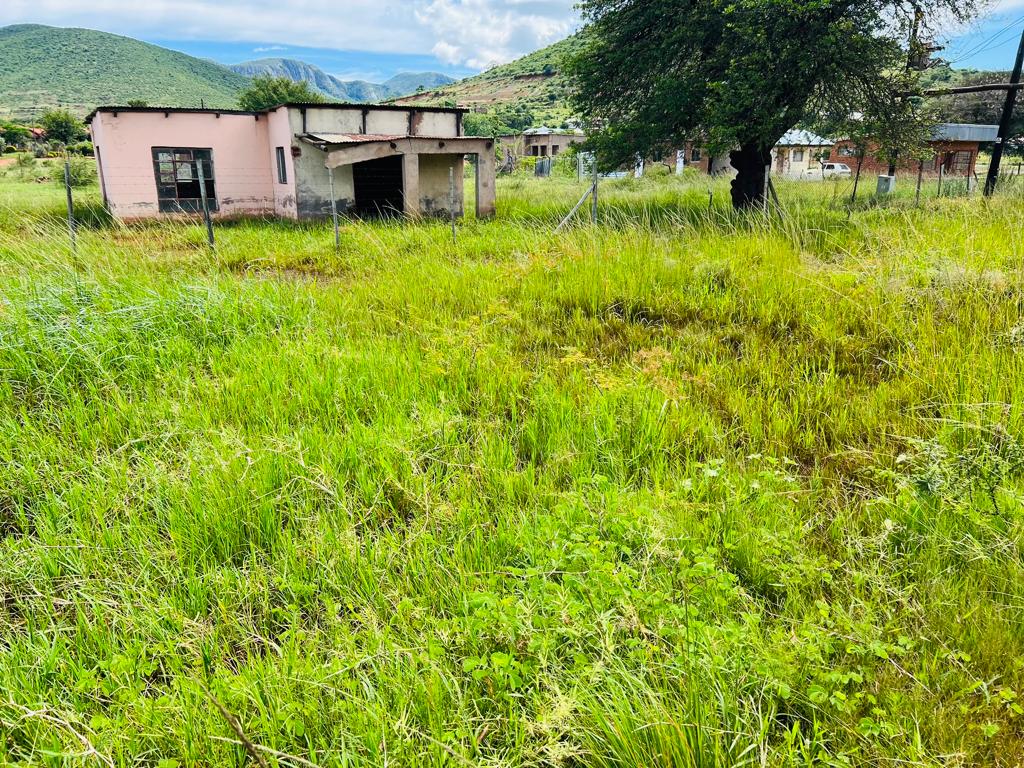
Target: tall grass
x,y
691,488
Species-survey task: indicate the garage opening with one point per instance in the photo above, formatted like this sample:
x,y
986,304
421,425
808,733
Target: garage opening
x,y
379,187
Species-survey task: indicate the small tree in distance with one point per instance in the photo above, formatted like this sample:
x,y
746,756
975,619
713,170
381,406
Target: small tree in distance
x,y
63,127
736,76
266,91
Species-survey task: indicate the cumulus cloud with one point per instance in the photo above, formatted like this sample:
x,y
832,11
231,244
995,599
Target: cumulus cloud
x,y
481,33
472,33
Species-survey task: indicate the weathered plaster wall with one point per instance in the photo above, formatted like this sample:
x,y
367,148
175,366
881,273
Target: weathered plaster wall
x,y
435,189
387,122
436,124
312,184
329,120
280,134
240,150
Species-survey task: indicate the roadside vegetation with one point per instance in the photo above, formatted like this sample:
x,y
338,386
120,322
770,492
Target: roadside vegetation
x,y
693,488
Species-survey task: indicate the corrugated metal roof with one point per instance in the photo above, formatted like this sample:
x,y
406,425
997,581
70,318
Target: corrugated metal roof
x,y
798,138
965,132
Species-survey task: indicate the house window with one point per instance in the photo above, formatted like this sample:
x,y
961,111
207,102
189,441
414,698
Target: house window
x,y
177,179
535,150
282,169
695,155
797,156
554,150
543,151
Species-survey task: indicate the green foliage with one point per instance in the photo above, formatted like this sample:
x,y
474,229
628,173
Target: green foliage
x,y
530,87
81,172
43,67
739,76
62,127
689,488
475,124
14,134
265,91
980,108
82,148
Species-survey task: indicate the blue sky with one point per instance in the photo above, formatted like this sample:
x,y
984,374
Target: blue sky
x,y
374,66
375,39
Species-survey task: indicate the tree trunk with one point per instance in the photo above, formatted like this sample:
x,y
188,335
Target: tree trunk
x,y
749,186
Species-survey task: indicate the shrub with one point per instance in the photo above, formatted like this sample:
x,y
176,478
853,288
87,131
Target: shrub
x,y
83,148
81,172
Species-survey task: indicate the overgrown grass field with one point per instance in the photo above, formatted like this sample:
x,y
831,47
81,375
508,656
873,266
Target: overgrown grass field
x,y
688,489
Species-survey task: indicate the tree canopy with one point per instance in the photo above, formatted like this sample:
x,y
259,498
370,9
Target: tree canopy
x,y
62,126
737,75
266,91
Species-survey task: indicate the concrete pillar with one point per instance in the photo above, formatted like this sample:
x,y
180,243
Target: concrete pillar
x,y
411,183
486,172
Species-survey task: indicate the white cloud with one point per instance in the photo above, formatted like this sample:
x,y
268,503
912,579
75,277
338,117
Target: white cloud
x,y
266,48
481,33
475,33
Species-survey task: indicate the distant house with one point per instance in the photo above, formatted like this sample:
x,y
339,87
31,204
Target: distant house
x,y
953,149
383,160
542,142
799,153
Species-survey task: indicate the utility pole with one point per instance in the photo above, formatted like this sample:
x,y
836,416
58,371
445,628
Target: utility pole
x,y
914,61
1004,123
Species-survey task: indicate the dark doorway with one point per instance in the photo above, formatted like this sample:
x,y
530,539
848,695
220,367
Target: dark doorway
x,y
378,185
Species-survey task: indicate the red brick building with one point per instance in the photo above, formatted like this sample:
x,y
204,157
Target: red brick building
x,y
954,149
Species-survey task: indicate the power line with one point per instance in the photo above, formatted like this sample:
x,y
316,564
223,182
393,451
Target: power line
x,y
988,43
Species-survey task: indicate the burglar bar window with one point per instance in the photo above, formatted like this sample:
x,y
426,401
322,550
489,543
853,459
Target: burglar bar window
x,y
282,169
177,179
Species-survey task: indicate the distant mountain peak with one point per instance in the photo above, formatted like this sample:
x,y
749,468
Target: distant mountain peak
x,y
336,88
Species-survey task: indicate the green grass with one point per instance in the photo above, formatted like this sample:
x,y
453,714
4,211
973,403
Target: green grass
x,y
690,489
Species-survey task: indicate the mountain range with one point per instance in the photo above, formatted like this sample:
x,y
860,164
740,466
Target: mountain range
x,y
342,90
43,67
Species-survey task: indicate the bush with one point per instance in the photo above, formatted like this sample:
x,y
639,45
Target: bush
x,y
83,148
25,163
81,172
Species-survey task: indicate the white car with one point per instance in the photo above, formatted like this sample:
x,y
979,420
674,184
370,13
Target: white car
x,y
835,170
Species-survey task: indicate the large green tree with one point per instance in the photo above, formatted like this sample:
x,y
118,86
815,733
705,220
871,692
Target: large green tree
x,y
737,74
266,91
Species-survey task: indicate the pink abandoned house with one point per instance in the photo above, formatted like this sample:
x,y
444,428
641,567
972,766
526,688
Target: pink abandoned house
x,y
285,161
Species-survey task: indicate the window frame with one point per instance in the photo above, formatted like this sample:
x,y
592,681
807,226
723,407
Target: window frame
x,y
282,167
177,203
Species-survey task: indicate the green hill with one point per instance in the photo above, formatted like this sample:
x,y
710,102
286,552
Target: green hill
x,y
535,81
43,67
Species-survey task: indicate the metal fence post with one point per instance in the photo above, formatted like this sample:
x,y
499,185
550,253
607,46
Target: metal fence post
x,y
334,209
205,201
451,201
71,204
593,201
920,175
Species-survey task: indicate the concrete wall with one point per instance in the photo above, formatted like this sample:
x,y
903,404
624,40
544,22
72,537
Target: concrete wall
x,y
319,119
785,162
437,124
240,148
280,134
435,188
